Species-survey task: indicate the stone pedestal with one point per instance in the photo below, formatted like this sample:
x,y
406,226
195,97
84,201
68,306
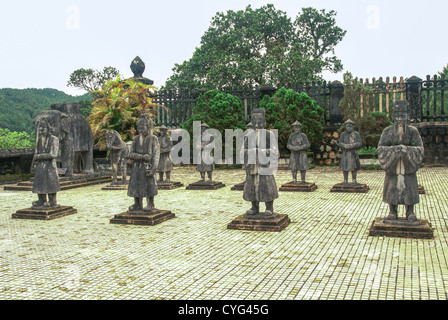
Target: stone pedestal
x,y
350,187
44,214
116,186
420,229
298,186
141,217
65,183
168,185
238,187
205,185
260,223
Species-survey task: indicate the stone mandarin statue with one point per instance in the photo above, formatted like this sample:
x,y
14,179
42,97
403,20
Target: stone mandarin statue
x,y
144,155
350,142
46,180
400,153
298,144
259,187
205,166
119,152
165,164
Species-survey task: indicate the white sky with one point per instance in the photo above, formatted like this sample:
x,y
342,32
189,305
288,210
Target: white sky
x,y
43,42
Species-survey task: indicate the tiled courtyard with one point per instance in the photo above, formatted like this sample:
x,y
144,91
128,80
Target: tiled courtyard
x,y
325,253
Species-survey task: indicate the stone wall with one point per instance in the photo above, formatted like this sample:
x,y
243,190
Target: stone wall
x,y
328,153
435,141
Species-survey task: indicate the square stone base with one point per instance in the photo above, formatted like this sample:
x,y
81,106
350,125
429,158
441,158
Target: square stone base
x,y
298,187
349,187
278,223
205,185
400,228
44,214
168,185
116,186
148,218
238,187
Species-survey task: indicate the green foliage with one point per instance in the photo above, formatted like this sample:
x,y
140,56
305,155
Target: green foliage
x,y
85,107
91,79
285,107
371,127
219,110
371,151
261,46
18,107
14,140
117,106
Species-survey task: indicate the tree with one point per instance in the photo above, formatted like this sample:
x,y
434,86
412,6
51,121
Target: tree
x,y
259,47
118,105
13,140
90,79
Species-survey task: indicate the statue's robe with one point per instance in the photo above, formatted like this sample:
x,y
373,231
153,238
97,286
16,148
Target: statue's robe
x,y
207,164
400,183
260,186
165,163
350,158
46,178
298,161
140,183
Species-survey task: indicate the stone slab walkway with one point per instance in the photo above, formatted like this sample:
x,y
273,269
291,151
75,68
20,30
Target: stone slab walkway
x,y
325,253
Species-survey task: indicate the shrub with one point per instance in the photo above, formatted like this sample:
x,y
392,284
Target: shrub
x,y
14,140
285,107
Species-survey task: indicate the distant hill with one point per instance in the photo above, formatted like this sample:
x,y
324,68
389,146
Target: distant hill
x,y
18,107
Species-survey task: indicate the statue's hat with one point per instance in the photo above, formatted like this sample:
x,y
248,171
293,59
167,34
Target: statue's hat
x,y
297,123
163,127
249,125
205,125
349,121
401,105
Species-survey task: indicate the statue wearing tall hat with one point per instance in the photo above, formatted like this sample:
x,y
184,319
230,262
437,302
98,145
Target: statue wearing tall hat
x,y
298,144
350,142
165,163
400,153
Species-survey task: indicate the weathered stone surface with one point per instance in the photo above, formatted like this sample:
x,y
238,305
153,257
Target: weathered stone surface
x,y
420,229
350,187
259,223
140,217
205,185
168,185
298,186
238,187
44,214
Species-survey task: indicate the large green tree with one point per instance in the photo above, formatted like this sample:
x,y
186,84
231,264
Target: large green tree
x,y
91,79
261,46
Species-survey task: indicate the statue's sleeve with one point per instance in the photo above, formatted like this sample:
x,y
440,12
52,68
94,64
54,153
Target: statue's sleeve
x,y
414,155
357,144
387,156
289,144
306,143
132,154
156,152
54,150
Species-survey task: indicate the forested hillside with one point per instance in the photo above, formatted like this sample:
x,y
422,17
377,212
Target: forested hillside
x,y
18,107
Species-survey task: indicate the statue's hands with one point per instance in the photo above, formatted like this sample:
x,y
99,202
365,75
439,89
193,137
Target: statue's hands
x,y
146,157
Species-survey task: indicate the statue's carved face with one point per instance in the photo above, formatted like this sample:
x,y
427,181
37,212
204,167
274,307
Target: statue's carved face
x,y
258,120
349,127
296,129
42,129
142,128
401,117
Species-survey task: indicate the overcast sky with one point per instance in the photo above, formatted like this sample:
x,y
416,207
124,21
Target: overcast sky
x,y
43,42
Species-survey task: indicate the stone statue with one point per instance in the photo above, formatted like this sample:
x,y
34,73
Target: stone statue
x,y
144,155
46,180
350,142
259,187
400,153
204,167
165,163
119,152
298,144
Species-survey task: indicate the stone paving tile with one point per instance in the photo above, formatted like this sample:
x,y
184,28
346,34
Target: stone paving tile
x,y
325,253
